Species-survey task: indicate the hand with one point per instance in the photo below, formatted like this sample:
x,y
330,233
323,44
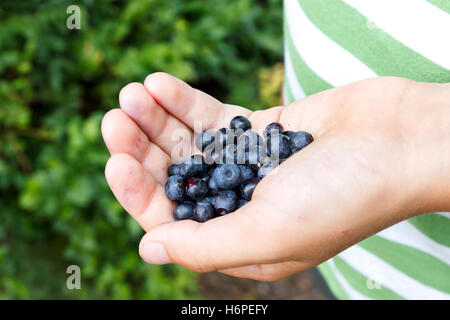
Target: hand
x,y
381,155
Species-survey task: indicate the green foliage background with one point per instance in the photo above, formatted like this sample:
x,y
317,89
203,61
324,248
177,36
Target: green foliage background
x,y
55,85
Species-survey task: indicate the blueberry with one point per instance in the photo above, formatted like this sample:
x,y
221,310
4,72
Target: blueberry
x,y
242,203
225,136
175,169
250,140
211,171
211,200
246,173
213,155
240,122
204,139
273,127
183,210
233,155
288,133
255,159
248,188
226,201
194,166
278,146
175,188
227,176
230,154
196,188
299,140
212,186
265,169
203,211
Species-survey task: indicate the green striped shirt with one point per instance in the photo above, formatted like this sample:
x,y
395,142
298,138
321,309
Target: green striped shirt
x,y
330,43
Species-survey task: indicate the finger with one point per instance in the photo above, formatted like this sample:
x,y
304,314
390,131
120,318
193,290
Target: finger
x,y
137,191
122,135
189,104
236,239
330,109
261,118
267,272
318,113
157,124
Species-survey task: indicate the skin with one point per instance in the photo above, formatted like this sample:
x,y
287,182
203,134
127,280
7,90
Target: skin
x,y
381,155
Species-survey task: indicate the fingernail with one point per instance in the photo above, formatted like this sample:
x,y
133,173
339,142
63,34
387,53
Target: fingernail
x,y
154,253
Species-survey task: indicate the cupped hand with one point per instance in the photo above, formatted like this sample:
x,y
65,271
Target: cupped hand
x,y
381,155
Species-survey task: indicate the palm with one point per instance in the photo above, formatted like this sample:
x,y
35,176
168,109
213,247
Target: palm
x,y
288,205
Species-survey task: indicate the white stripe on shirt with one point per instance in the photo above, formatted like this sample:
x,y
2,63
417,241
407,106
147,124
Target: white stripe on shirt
x,y
326,58
405,233
416,23
371,266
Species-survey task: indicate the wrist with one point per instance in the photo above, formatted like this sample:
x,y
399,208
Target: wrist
x,y
429,110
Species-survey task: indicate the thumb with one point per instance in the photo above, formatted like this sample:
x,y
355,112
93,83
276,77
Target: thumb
x,y
237,239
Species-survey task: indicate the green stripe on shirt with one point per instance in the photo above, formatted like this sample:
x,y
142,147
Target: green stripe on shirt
x,y
413,262
309,81
441,4
332,282
383,54
359,282
434,226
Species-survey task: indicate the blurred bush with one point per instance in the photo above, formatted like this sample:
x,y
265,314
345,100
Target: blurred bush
x,y
55,84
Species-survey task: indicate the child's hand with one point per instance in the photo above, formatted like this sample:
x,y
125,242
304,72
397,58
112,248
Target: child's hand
x,y
381,155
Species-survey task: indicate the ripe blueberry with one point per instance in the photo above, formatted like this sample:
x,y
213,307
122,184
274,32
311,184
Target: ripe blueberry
x,y
183,210
203,211
230,154
196,188
265,169
227,176
240,122
194,166
278,146
299,140
255,159
250,140
248,188
204,139
226,201
288,133
246,173
242,203
225,136
175,188
212,186
175,169
211,200
213,156
273,127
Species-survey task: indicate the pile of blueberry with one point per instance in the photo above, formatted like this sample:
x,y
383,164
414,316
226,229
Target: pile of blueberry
x,y
233,162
